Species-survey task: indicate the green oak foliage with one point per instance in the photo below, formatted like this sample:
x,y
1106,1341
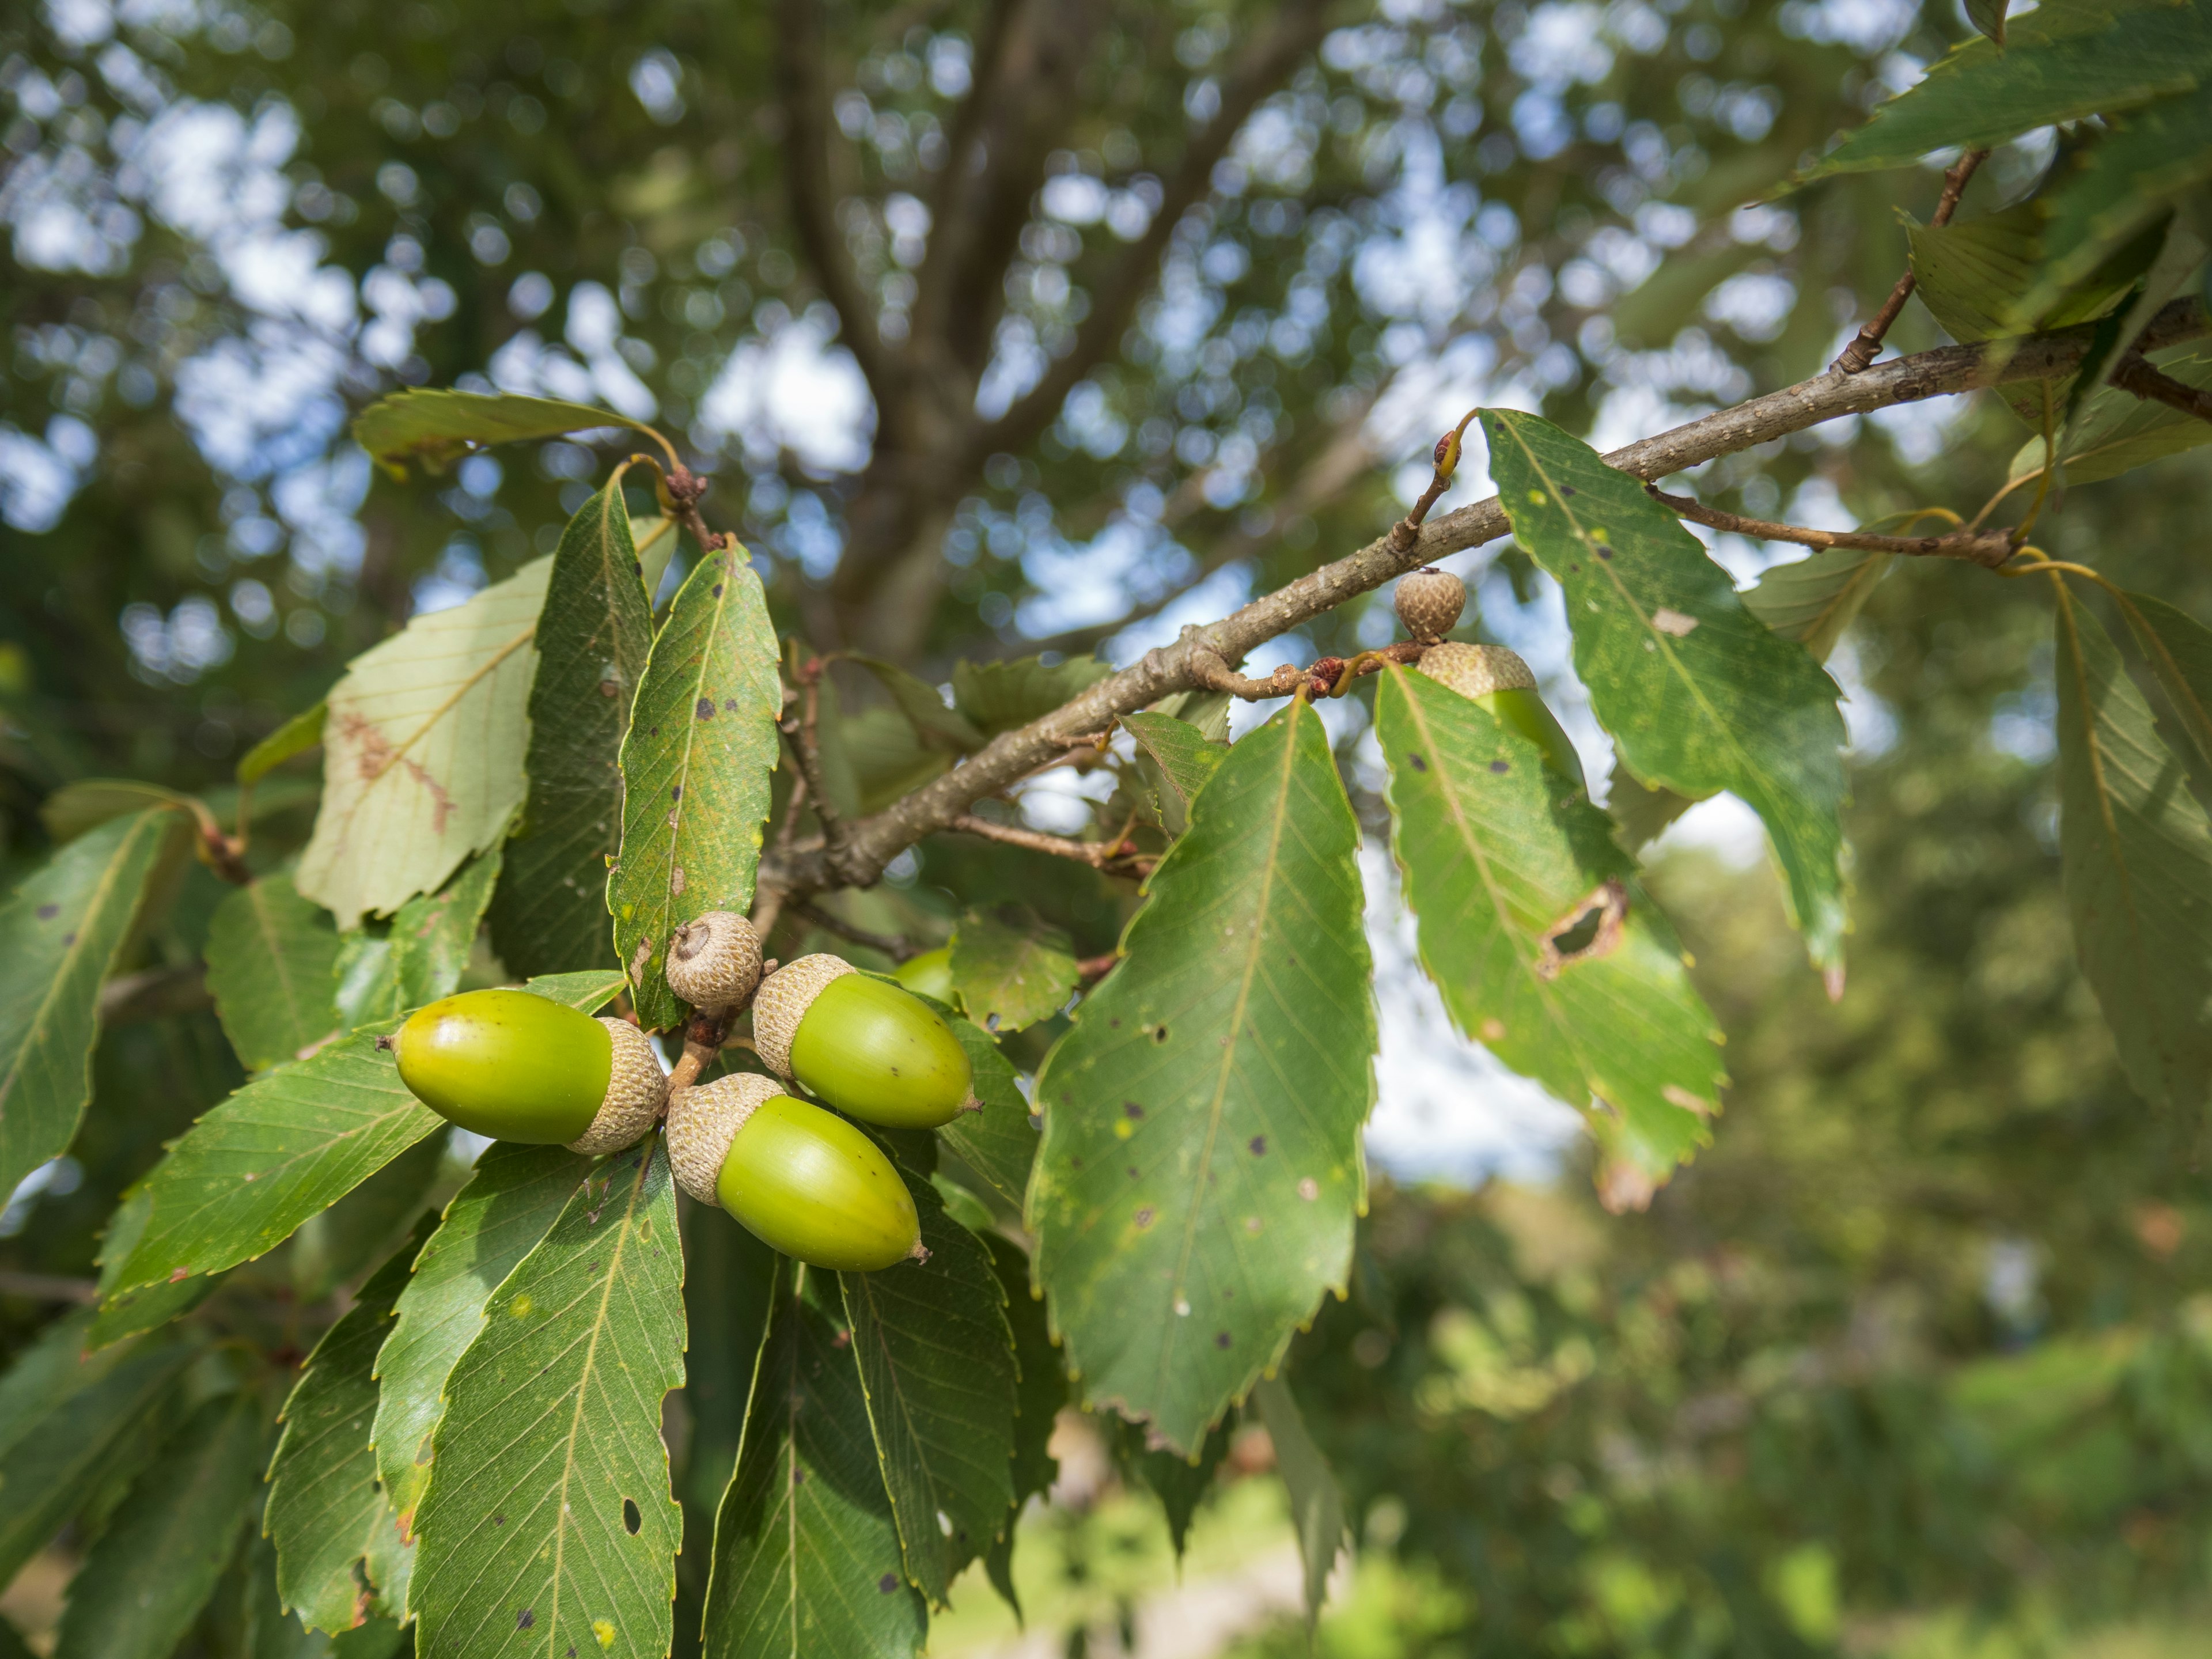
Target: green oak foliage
x,y
271,955
695,766
547,1522
1043,1392
999,1142
2138,858
999,696
1532,926
1316,1502
806,1551
422,956
1200,1169
59,933
155,1565
1011,969
328,1511
936,1363
1185,758
437,428
2177,650
551,912
1698,694
508,1206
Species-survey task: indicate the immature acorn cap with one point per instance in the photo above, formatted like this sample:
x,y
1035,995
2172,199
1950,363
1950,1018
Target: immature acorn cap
x,y
704,1121
1430,602
715,961
636,1088
1476,671
782,1001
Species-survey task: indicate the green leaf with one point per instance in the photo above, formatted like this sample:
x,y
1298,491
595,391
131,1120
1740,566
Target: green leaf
x,y
934,724
297,736
1011,969
1043,1383
728,1279
548,1522
75,808
90,1433
422,757
508,1206
695,767
327,1512
999,1142
1534,930
1810,600
333,1247
1983,278
806,1554
1698,693
1316,1502
269,1632
59,1361
1182,1484
1002,697
936,1366
437,428
421,956
2061,62
154,1568
1989,16
60,936
1200,1169
2132,176
2117,431
128,1313
271,955
550,914
2178,648
586,991
655,539
2136,852
282,1148
1185,758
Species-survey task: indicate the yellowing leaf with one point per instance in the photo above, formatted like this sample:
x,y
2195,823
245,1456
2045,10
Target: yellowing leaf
x,y
423,752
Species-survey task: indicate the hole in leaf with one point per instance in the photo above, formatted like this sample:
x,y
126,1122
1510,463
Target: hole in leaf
x,y
1591,928
633,1519
1578,938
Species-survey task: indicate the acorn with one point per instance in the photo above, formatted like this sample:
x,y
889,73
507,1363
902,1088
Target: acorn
x,y
715,961
1496,679
929,975
1429,602
870,1048
801,1180
516,1067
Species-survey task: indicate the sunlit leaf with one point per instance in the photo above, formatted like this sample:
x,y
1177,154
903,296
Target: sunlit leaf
x,y
937,1366
1011,969
550,913
1200,1169
422,755
1185,758
806,1554
1534,930
2137,855
327,1511
437,428
59,934
157,1562
695,767
270,956
504,1212
1696,692
548,1522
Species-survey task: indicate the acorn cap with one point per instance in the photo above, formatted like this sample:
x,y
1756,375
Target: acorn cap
x,y
715,961
1429,603
636,1088
704,1121
1476,671
782,1001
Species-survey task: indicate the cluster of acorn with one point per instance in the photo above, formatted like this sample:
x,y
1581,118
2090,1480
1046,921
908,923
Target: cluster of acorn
x,y
516,1067
1429,602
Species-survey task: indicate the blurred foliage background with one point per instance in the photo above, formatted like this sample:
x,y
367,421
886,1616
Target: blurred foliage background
x,y
1009,324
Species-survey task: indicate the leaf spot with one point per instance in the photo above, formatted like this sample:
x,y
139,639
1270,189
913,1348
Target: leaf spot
x,y
1308,1189
1131,1109
1145,1216
525,1619
521,1305
1221,1338
48,912
676,879
1259,1146
1591,928
1416,762
604,1630
1675,1095
1251,1223
1500,766
1183,1307
1493,1030
888,1582
1668,621
705,710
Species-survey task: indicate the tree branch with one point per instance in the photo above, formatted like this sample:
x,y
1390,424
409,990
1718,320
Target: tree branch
x,y
812,198
2135,374
875,841
1096,853
1297,30
895,946
1987,548
1860,354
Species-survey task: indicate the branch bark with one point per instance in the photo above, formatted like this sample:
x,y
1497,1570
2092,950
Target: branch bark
x,y
875,841
1987,548
2136,375
1866,346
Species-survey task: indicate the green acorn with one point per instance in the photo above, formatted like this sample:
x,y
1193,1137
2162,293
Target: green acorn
x,y
801,1180
516,1067
1496,679
715,961
871,1049
929,975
